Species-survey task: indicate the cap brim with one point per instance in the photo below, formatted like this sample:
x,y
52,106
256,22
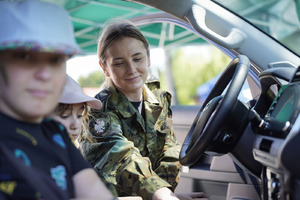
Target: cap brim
x,y
38,47
80,98
94,104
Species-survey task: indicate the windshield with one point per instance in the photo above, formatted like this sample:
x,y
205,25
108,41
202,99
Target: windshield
x,y
278,18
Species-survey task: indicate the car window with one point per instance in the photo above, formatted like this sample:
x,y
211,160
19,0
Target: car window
x,y
193,73
279,19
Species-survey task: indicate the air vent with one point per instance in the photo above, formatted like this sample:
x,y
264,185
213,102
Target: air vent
x,y
265,145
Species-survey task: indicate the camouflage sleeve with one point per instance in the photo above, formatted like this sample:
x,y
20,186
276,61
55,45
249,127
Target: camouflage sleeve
x,y
168,166
117,161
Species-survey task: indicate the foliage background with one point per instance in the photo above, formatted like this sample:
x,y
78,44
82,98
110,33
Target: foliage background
x,y
191,67
94,79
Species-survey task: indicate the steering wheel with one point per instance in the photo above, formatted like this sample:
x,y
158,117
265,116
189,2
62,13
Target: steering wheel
x,y
211,131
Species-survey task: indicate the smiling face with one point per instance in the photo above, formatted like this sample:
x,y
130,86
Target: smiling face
x,y
127,65
30,83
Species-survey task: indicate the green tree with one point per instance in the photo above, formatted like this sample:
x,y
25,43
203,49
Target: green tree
x,y
192,67
94,79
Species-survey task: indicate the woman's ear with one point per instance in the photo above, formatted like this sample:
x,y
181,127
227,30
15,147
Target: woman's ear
x,y
104,69
149,60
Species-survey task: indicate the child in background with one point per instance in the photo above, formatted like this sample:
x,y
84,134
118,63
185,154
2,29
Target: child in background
x,y
37,157
73,107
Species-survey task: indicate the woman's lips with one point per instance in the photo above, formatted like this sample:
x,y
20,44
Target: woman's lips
x,y
38,93
132,79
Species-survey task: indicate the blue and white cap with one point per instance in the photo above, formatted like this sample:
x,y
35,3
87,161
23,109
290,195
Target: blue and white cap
x,y
35,25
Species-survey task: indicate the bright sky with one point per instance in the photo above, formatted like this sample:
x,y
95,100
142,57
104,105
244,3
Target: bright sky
x,y
84,65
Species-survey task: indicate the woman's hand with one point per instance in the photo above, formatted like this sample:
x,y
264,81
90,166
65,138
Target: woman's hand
x,y
166,194
192,196
130,198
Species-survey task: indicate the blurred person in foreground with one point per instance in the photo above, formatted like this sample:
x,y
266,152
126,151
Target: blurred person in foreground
x,y
130,141
37,157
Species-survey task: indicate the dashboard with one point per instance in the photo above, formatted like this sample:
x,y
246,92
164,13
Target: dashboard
x,y
283,112
277,144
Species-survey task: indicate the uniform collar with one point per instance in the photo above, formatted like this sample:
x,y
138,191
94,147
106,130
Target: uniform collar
x,y
120,102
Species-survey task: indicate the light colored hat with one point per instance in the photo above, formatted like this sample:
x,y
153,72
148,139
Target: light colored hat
x,y
37,26
72,94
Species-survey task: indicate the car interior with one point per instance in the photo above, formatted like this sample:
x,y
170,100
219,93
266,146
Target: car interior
x,y
232,148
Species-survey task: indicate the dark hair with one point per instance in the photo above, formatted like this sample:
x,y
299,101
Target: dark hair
x,y
115,30
61,108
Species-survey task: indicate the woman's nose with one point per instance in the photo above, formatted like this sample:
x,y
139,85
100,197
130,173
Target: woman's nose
x,y
131,68
43,71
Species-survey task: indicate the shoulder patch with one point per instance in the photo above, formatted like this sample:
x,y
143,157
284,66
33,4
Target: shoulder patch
x,y
152,82
100,125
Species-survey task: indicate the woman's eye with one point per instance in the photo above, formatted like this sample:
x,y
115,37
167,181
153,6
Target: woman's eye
x,y
79,116
138,59
58,60
22,56
118,64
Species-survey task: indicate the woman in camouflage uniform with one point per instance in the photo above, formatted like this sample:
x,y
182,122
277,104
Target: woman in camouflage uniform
x,y
130,141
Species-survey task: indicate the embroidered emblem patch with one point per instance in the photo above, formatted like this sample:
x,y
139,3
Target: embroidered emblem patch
x,y
100,125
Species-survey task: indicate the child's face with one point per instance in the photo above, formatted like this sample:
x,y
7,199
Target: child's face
x,y
71,118
30,83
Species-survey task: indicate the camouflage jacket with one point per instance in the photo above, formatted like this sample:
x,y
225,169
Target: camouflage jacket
x,y
133,156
